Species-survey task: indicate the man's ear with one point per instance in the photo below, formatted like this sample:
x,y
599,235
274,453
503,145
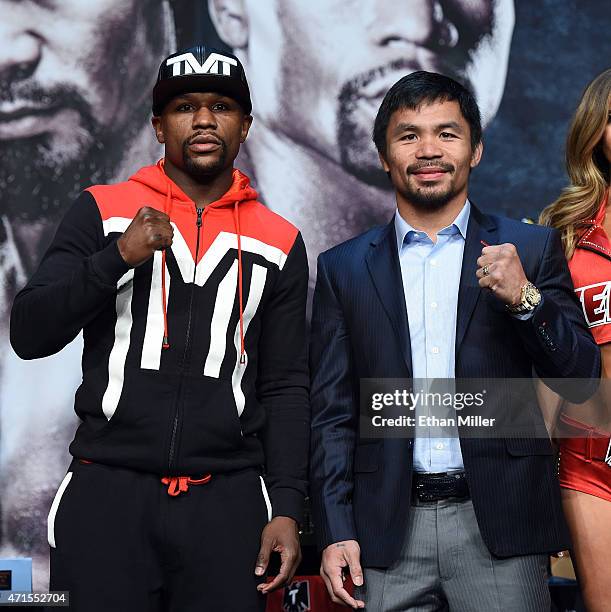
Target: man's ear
x,y
247,122
156,121
385,166
230,21
476,155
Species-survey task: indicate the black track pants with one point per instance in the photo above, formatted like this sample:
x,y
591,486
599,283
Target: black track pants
x,y
119,542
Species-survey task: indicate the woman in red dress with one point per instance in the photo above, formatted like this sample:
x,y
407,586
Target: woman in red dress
x,y
584,431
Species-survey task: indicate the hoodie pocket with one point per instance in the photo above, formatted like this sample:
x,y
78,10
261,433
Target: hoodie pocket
x,y
210,422
144,406
137,435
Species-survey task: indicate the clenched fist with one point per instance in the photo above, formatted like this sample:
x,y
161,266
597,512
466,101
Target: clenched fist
x,y
149,231
500,270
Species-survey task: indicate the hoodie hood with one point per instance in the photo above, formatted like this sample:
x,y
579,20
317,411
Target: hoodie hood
x,y
155,178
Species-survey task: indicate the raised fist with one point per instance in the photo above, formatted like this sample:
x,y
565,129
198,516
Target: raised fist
x,y
500,270
149,231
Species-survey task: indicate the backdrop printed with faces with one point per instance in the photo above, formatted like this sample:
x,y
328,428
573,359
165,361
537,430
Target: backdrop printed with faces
x,y
75,86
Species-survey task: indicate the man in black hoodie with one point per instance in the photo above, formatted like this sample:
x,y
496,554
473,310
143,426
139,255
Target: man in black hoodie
x,y
194,401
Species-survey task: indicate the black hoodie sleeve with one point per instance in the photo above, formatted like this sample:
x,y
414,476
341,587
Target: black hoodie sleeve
x,y
283,386
75,279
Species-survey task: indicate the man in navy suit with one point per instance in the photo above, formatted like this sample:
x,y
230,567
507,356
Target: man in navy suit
x,y
442,291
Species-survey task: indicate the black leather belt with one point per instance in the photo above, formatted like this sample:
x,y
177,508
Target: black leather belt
x,y
433,487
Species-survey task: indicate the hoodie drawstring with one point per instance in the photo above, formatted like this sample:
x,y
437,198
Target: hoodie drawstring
x,y
236,218
180,484
167,209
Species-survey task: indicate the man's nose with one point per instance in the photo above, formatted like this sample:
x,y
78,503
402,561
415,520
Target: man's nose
x,y
428,148
203,117
410,22
20,51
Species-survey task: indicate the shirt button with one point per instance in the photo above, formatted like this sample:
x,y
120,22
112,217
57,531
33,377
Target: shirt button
x,y
435,350
439,446
433,304
433,262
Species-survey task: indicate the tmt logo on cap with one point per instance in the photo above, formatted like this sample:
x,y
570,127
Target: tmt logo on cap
x,y
201,69
187,63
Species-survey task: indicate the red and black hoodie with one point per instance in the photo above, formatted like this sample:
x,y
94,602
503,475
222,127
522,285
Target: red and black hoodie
x,y
194,362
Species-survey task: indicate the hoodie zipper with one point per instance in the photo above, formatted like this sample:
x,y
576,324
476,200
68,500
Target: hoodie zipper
x,y
199,212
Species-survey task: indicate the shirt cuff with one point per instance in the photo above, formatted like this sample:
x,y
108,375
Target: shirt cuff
x,y
523,316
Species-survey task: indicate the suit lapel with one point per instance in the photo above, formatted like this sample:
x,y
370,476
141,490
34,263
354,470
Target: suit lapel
x,y
480,228
383,265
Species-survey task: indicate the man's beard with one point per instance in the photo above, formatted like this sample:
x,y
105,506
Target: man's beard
x,y
41,175
428,198
204,173
358,155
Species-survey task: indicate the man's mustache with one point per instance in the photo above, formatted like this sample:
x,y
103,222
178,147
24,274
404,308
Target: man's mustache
x,y
364,79
192,138
353,88
32,94
445,166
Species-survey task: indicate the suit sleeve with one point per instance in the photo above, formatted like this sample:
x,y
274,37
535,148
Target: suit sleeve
x,y
75,279
283,386
556,336
334,416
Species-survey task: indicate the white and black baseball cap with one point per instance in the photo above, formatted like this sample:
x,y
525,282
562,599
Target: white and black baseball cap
x,y
201,69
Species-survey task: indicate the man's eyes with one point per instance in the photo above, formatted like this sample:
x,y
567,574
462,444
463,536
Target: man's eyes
x,y
188,107
412,137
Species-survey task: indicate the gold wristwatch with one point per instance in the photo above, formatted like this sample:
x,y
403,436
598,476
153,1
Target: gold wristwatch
x,y
530,297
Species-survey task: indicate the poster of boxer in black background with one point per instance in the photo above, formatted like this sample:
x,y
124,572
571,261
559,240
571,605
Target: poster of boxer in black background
x,y
75,83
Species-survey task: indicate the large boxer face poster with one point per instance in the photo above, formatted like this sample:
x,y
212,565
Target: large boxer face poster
x,y
75,83
319,69
75,92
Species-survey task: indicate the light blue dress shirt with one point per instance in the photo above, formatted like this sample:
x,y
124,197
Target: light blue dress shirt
x,y
431,278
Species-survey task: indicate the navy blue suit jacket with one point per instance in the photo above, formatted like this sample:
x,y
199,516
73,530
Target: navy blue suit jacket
x,y
361,486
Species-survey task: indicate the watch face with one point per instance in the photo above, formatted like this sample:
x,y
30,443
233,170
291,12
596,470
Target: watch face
x,y
532,294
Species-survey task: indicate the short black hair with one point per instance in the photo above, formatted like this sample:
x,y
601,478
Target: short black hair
x,y
421,87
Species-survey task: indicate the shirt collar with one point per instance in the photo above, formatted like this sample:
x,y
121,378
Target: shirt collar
x,y
402,227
